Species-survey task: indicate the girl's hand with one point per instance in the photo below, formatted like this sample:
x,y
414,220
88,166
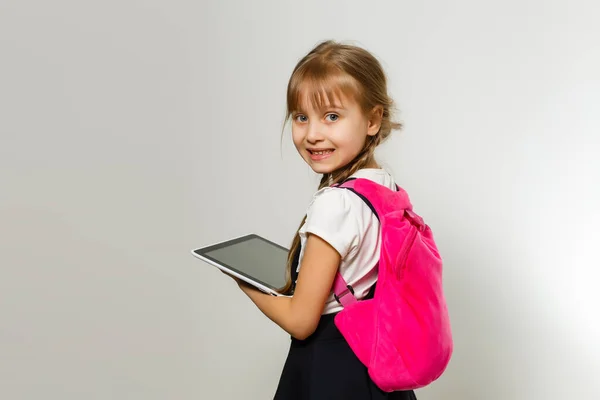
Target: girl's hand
x,y
299,314
246,288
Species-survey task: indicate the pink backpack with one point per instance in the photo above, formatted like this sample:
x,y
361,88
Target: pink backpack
x,y
403,333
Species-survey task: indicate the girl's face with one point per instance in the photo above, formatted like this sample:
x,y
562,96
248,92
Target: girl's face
x,y
330,137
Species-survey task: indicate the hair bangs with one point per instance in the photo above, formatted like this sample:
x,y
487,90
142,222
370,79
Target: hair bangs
x,y
318,91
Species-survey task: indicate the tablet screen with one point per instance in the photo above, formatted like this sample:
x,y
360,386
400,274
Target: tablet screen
x,y
252,256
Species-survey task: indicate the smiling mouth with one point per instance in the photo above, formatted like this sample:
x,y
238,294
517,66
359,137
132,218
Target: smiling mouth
x,y
320,155
321,152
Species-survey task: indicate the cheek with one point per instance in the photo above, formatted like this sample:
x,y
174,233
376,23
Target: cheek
x,y
352,138
296,137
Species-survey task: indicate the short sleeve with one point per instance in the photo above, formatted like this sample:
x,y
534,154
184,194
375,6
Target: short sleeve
x,y
331,217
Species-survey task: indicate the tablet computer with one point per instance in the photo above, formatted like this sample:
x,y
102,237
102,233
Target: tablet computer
x,y
251,258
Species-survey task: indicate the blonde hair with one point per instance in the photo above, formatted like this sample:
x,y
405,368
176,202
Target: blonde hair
x,y
328,70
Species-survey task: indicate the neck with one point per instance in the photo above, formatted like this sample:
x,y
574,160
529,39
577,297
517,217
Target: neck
x,y
372,163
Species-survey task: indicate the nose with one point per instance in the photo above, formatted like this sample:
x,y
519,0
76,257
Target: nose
x,y
314,134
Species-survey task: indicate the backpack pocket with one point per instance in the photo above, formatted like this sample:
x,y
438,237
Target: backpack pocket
x,y
409,240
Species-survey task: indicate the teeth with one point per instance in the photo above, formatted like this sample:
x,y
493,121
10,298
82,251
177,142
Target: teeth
x,y
322,152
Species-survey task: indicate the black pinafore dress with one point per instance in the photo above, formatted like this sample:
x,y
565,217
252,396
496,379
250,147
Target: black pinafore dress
x,y
324,367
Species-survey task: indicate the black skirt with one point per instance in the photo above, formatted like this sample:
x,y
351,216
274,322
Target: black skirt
x,y
324,367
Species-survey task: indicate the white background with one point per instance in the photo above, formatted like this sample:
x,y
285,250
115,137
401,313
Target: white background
x,y
134,131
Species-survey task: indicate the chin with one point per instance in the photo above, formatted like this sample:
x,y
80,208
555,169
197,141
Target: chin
x,y
322,169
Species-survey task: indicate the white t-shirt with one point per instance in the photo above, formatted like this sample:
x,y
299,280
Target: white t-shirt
x,y
343,220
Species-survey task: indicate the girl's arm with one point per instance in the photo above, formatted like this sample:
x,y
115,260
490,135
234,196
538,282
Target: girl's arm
x,y
299,314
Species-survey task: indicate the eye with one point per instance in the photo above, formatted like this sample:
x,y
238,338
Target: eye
x,y
300,118
332,117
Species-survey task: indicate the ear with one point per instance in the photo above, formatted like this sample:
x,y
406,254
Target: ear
x,y
374,122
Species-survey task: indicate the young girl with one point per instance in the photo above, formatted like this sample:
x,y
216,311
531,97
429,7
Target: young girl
x,y
340,111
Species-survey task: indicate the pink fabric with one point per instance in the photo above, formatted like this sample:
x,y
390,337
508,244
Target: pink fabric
x,y
403,334
340,288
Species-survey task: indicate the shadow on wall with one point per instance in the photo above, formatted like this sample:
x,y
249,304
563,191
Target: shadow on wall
x,y
486,330
510,342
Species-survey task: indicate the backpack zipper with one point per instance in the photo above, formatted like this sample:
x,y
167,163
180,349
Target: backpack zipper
x,y
408,243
